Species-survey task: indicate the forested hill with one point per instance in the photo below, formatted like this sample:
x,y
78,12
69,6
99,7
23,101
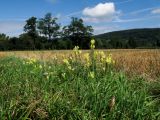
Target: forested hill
x,y
133,38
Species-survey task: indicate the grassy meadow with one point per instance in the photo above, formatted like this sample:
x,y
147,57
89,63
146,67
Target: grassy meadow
x,y
80,85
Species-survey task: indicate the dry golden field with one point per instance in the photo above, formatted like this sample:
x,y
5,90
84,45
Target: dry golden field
x,y
145,62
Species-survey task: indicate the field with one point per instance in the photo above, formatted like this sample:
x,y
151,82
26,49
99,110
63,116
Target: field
x,y
145,62
87,85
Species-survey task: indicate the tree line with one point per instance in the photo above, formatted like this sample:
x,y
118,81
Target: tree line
x,y
46,34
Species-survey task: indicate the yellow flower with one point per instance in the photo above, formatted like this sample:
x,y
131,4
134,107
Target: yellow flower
x,y
64,75
113,61
69,67
104,68
49,67
91,75
40,66
86,56
47,77
92,42
92,46
66,61
80,51
109,60
76,50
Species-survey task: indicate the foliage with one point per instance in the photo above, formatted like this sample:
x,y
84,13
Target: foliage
x,y
74,89
78,33
135,38
45,34
48,27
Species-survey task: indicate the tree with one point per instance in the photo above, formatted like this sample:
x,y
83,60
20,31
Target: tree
x,y
3,41
48,27
132,43
3,37
31,28
78,32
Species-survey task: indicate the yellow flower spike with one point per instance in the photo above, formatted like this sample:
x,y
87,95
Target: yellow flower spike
x,y
80,51
49,67
66,61
104,68
47,77
69,67
86,56
92,46
40,66
92,42
76,50
109,60
91,75
113,61
64,75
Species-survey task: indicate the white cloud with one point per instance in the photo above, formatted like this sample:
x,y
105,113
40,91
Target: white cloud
x,y
11,28
156,11
100,10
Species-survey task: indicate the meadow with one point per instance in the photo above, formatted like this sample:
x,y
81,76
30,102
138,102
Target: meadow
x,y
84,85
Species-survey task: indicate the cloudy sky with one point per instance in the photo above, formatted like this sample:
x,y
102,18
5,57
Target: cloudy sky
x,y
103,15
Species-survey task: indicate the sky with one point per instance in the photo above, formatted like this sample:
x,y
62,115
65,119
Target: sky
x,y
103,15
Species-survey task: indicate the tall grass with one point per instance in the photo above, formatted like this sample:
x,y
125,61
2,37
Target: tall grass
x,y
145,62
32,89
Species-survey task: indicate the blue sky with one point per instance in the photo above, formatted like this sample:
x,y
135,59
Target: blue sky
x,y
103,15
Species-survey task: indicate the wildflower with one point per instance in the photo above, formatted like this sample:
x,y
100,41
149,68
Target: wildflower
x,y
32,60
92,46
24,63
80,51
91,75
109,59
92,41
40,66
95,54
47,77
66,61
64,75
101,53
45,74
69,67
104,68
49,67
86,56
55,58
76,50
113,61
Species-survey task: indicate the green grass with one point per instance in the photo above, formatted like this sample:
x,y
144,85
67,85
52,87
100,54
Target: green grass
x,y
41,90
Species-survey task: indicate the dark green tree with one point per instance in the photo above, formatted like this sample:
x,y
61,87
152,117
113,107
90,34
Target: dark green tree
x,y
78,33
48,27
31,28
3,37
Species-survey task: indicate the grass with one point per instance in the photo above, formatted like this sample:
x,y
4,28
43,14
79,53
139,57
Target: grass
x,y
144,62
32,89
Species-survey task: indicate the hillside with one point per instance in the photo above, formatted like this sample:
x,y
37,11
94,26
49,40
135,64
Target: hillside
x,y
133,38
